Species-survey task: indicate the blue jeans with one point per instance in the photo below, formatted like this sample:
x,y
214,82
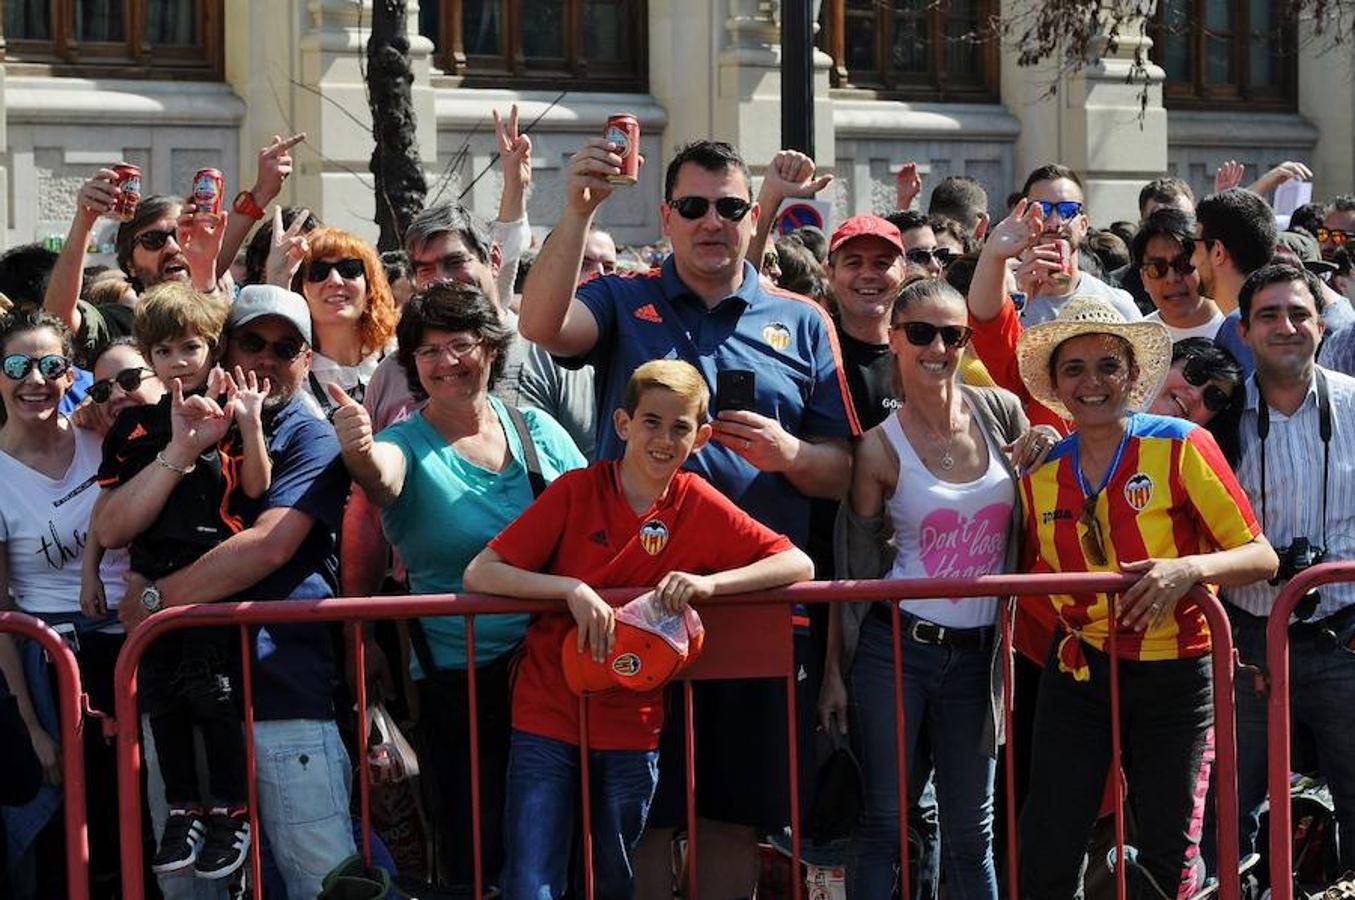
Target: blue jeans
x,y
948,689
541,816
1321,696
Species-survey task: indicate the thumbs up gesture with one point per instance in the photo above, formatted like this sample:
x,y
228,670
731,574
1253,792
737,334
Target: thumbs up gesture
x,y
351,422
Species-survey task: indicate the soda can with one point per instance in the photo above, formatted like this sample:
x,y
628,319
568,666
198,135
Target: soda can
x,y
623,129
128,182
208,187
1063,278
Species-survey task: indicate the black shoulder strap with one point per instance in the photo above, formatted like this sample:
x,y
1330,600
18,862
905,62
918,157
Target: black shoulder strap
x,y
534,476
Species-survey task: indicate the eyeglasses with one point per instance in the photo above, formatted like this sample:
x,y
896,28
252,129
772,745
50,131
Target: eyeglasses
x,y
428,353
286,349
731,209
1332,236
349,269
1093,545
128,379
921,334
53,365
1157,268
1196,373
154,239
921,256
1066,209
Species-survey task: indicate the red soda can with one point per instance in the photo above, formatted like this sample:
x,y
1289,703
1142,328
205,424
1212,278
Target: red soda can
x,y
128,182
623,129
208,186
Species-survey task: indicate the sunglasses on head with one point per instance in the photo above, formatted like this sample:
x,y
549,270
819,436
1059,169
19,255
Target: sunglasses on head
x,y
18,365
1093,544
731,209
348,268
1157,268
286,349
1332,236
1196,373
128,379
921,334
1066,209
921,256
154,239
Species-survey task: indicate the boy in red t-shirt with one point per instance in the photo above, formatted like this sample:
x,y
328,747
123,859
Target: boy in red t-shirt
x,y
584,534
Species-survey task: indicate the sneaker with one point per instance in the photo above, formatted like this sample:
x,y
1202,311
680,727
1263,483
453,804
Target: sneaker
x,y
181,842
227,843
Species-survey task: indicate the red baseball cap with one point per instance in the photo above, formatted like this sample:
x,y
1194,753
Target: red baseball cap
x,y
643,657
865,226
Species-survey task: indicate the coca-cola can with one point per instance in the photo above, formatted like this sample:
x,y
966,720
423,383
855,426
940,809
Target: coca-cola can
x,y
623,130
127,179
208,187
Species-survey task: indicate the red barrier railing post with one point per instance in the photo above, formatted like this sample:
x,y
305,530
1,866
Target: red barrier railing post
x,y
1225,742
1277,718
689,748
900,750
793,735
473,711
1116,785
1009,750
364,775
70,728
586,798
251,780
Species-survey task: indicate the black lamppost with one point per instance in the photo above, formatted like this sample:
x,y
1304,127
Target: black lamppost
x,y
797,76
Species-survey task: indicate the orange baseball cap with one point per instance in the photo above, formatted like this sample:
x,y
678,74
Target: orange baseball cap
x,y
643,657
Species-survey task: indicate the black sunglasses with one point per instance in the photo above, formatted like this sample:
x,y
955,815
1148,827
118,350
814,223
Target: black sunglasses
x,y
921,334
348,268
154,239
52,365
1157,268
920,256
286,349
128,379
731,209
1196,373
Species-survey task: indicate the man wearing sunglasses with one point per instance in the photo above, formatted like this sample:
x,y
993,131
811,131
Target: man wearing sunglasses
x,y
707,306
287,552
922,257
1162,250
1057,191
1337,237
1297,466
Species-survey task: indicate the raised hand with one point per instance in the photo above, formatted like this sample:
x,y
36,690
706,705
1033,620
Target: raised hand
x,y
248,395
97,196
199,235
1285,171
275,164
907,185
198,422
351,422
287,250
791,174
515,149
1229,175
586,184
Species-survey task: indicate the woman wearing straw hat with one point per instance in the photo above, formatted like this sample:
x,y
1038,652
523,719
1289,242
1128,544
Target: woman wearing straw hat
x,y
1125,492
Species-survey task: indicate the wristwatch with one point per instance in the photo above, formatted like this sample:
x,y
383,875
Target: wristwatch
x,y
151,598
246,205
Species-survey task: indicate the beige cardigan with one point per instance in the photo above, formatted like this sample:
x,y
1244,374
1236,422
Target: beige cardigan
x,y
863,547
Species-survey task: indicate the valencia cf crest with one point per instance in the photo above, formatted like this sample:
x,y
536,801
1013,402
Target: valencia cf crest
x,y
627,665
653,537
777,336
1138,491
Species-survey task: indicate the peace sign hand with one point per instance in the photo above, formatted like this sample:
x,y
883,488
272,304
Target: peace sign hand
x,y
287,250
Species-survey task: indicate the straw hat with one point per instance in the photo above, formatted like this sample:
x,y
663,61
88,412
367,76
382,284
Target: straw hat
x,y
1091,315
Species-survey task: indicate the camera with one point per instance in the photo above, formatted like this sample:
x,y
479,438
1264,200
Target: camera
x,y
1299,555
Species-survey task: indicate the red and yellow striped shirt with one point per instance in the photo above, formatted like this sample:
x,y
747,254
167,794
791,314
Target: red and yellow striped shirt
x,y
1169,494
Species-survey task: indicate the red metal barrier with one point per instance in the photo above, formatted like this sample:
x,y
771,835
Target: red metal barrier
x,y
70,711
1277,715
731,651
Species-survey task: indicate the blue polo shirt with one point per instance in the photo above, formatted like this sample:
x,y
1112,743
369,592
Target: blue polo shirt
x,y
786,339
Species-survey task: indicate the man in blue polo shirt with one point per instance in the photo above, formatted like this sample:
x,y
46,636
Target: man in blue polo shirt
x,y
706,306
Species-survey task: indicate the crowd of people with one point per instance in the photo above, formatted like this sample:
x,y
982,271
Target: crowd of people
x,y
256,405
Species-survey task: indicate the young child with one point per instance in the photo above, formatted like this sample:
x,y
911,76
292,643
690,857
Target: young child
x,y
633,522
185,676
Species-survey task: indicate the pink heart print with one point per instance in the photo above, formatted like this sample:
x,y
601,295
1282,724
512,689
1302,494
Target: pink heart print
x,y
952,545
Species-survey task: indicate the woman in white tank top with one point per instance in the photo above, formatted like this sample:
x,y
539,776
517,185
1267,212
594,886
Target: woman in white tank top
x,y
937,472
